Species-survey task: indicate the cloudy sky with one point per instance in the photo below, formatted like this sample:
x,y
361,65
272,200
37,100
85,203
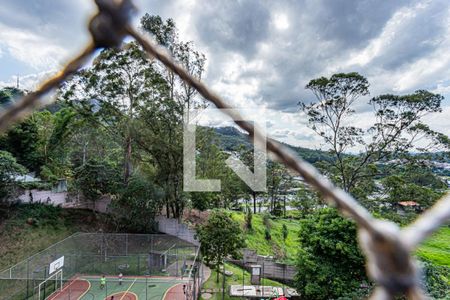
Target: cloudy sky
x,y
261,53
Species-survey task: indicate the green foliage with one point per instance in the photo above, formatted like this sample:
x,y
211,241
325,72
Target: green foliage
x,y
96,178
436,248
399,189
330,264
285,232
22,141
9,95
248,219
437,280
203,200
35,185
141,200
280,249
266,220
398,126
267,234
305,200
8,168
220,237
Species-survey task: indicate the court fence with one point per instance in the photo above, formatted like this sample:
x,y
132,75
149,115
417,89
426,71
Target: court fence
x,y
88,256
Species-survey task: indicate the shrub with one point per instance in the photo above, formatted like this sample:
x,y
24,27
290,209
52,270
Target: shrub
x,y
436,280
267,222
248,219
330,264
267,234
285,232
140,201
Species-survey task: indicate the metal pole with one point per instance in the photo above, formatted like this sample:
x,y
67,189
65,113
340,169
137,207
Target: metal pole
x,y
176,257
28,277
243,281
223,282
262,275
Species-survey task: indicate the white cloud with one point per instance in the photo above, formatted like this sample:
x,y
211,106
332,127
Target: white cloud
x,y
281,21
30,48
29,81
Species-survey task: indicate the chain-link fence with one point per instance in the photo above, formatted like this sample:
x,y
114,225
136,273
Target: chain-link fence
x,y
239,279
388,249
141,259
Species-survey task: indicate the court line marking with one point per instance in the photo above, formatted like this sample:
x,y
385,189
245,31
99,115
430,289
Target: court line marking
x,y
167,291
67,286
121,298
85,292
132,293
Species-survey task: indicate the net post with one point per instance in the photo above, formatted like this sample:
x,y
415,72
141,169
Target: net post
x,y
176,257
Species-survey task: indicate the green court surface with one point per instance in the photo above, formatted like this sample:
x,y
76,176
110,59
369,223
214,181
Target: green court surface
x,y
132,288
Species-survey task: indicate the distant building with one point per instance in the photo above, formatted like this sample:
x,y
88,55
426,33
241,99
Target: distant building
x,y
404,206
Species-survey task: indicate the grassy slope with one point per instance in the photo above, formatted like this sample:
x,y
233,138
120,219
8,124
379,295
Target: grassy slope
x,y
283,250
436,248
20,240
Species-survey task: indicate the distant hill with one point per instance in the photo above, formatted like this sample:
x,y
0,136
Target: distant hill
x,y
230,138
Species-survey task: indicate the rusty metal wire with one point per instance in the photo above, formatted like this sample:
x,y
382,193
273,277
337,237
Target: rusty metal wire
x,y
388,249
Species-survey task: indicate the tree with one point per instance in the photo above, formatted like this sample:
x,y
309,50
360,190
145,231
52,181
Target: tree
x,y
96,178
220,237
8,169
305,200
9,95
140,201
330,264
398,125
22,140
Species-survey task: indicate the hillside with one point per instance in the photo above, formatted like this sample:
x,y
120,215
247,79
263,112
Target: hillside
x,y
282,250
28,229
436,248
231,138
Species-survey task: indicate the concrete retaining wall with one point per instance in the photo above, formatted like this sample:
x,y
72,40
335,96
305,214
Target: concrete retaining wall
x,y
175,228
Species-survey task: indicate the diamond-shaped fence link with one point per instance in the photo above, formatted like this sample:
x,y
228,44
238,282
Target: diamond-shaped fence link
x,y
387,248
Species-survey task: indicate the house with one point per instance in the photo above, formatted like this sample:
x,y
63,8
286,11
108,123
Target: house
x,y
405,206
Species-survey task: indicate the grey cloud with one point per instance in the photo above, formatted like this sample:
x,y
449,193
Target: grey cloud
x,y
417,38
233,25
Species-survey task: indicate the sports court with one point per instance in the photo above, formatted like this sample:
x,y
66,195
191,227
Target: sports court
x,y
131,288
153,267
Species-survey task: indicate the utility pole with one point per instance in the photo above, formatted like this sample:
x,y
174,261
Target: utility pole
x,y
17,82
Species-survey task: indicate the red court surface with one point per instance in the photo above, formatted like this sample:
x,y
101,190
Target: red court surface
x,y
175,293
74,290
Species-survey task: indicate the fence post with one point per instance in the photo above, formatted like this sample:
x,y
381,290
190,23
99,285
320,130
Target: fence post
x,y
139,264
176,257
223,282
28,277
263,276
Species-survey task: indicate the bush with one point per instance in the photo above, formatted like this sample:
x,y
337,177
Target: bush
x,y
248,219
141,201
285,232
436,280
267,222
330,264
267,234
